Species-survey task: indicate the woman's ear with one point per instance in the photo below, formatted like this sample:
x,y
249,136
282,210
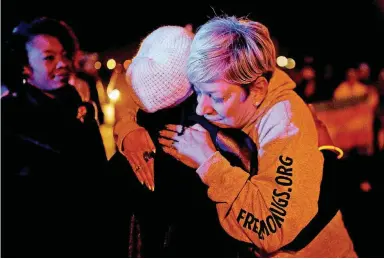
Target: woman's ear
x,y
258,90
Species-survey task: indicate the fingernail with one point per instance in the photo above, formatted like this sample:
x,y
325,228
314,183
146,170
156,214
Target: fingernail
x,y
153,188
142,182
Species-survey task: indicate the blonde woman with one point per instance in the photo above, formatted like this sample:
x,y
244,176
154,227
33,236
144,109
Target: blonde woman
x,y
232,68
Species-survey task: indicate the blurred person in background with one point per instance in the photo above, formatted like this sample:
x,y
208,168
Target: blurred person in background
x,y
306,87
380,86
379,118
326,83
364,74
86,72
53,159
351,87
189,28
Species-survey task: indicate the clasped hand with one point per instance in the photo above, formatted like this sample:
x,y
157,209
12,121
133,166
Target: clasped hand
x,y
192,148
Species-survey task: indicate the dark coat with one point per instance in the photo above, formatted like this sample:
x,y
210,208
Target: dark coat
x,y
53,162
177,219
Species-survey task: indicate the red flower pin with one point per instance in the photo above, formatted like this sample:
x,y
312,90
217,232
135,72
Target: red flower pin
x,y
81,112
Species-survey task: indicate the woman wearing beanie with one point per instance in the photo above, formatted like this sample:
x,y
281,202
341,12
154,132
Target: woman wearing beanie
x,y
279,211
157,80
178,219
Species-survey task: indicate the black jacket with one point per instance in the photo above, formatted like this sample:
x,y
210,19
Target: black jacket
x,y
53,161
177,219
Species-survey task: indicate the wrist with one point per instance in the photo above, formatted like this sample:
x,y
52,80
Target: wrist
x,y
207,154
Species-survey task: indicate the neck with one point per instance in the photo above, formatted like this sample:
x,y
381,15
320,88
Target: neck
x,y
248,115
52,94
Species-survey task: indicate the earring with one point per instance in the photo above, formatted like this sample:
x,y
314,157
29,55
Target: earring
x,y
255,100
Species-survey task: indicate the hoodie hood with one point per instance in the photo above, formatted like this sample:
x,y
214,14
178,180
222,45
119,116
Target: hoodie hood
x,y
279,88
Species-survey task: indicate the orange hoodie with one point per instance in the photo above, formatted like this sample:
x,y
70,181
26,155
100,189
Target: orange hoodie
x,y
272,207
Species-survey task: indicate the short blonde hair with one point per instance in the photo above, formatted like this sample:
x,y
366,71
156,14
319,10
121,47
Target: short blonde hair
x,y
235,49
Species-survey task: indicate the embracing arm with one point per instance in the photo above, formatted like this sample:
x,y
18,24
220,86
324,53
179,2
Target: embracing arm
x,y
271,208
125,120
132,141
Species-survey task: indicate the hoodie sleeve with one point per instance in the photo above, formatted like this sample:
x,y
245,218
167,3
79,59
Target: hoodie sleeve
x,y
272,207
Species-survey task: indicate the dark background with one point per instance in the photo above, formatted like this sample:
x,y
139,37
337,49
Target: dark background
x,y
339,32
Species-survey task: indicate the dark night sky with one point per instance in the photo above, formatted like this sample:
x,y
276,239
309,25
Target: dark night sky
x,y
347,33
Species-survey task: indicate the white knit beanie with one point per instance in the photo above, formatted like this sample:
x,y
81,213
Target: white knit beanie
x,y
157,76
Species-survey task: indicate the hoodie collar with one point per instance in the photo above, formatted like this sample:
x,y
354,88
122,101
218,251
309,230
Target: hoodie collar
x,y
278,86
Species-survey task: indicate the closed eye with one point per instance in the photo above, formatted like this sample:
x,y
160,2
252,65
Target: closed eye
x,y
218,100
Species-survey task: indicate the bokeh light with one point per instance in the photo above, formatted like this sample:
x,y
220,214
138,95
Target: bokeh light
x,y
282,61
111,64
